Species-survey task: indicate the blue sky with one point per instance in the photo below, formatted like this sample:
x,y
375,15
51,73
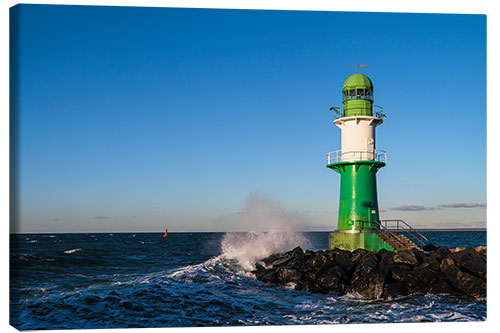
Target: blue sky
x,y
137,119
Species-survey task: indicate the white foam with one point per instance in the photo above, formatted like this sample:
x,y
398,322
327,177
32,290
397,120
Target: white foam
x,y
274,232
71,251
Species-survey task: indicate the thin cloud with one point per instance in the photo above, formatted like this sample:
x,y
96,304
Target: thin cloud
x,y
411,208
101,217
463,205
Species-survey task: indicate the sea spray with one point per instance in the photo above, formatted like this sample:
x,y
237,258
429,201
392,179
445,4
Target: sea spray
x,y
271,231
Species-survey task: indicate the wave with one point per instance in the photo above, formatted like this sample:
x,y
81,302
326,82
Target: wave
x,y
72,251
248,248
272,231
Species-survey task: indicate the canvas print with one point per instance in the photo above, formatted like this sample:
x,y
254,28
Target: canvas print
x,y
183,167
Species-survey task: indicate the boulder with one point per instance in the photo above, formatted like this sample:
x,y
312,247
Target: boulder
x,y
369,286
281,262
432,261
440,287
419,281
343,259
295,252
398,274
472,264
274,257
268,275
481,250
429,247
358,254
406,258
445,263
379,275
443,251
465,282
367,264
334,280
394,290
286,275
456,249
386,258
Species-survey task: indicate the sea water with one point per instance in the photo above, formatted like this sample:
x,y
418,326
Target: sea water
x,y
118,280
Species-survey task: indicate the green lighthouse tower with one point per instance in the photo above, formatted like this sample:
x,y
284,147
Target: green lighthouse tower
x,y
358,162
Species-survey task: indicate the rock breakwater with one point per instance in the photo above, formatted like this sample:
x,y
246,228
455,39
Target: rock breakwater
x,y
439,270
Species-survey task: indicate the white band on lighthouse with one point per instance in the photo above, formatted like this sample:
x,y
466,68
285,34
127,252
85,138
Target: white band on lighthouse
x,y
358,137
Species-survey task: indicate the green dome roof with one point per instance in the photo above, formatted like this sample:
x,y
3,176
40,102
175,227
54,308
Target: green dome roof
x,y
358,80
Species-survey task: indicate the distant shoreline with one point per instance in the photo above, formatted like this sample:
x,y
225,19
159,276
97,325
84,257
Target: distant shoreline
x,y
184,232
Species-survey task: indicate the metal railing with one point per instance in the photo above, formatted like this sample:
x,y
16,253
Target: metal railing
x,y
388,227
356,155
338,112
400,225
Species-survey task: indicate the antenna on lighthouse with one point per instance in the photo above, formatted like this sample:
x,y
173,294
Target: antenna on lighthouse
x,y
358,66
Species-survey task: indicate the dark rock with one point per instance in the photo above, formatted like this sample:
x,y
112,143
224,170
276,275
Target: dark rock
x,y
268,275
420,255
429,247
367,264
443,251
432,261
481,250
281,262
309,286
369,286
472,264
386,259
420,280
358,254
343,258
334,279
393,290
440,287
445,263
309,253
259,267
285,275
406,258
316,262
296,263
311,275
456,249
465,282
296,252
384,274
398,274
274,257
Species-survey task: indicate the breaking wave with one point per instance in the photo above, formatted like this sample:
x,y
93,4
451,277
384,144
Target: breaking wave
x,y
270,231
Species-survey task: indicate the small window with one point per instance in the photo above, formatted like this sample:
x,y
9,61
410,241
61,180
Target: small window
x,y
360,93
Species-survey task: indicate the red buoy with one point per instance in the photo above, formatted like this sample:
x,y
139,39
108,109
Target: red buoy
x,y
165,233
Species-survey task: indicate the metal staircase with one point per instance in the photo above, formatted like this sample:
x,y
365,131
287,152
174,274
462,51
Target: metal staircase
x,y
393,233
398,241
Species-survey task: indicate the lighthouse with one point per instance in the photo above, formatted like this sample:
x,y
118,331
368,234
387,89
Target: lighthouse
x,y
358,162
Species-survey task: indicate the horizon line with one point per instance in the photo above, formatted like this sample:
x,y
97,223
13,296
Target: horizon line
x,y
160,232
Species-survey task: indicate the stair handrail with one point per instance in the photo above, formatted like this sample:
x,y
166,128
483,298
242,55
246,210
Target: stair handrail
x,y
362,226
382,225
410,230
